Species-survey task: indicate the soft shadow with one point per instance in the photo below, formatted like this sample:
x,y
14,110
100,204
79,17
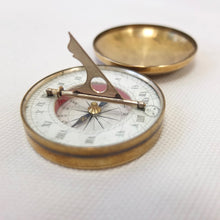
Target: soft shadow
x,y
176,75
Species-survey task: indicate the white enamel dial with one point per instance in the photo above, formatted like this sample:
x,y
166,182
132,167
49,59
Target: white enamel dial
x,y
59,120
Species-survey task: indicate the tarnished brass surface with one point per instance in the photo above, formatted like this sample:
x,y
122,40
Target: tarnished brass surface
x,y
148,49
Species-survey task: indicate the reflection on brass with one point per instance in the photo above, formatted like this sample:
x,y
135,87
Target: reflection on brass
x,y
94,109
148,49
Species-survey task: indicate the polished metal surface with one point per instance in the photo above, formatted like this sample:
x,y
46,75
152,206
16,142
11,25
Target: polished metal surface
x,y
148,49
72,93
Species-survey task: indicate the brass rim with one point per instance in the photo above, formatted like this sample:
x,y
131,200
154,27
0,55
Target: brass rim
x,y
162,68
98,162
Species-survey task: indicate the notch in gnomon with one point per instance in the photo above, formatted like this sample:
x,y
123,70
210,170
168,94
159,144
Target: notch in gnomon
x,y
93,72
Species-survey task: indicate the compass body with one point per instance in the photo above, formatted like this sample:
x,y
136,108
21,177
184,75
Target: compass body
x,y
89,134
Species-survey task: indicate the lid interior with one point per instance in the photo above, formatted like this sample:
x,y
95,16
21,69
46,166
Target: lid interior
x,y
144,45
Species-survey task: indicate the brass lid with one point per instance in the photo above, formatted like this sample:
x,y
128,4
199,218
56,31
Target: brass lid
x,y
145,48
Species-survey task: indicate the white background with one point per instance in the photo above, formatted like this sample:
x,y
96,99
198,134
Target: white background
x,y
178,179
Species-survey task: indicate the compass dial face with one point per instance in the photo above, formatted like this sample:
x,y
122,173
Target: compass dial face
x,y
67,121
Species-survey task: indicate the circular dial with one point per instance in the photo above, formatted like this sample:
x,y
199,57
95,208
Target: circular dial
x,y
67,121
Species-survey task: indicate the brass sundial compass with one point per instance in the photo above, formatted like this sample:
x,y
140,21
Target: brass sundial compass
x,y
92,117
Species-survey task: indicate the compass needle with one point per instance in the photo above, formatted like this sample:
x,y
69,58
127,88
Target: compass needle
x,y
99,121
81,119
88,122
102,104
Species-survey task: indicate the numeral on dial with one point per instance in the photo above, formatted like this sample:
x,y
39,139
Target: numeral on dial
x,y
120,133
140,118
40,104
90,140
61,134
46,124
